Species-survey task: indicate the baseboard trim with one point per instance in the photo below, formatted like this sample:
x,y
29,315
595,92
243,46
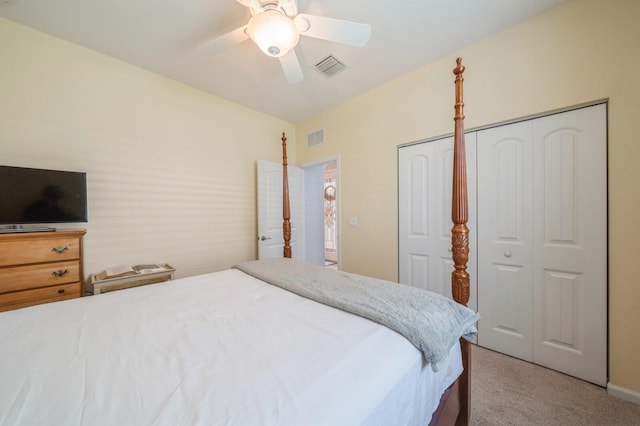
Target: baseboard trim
x,y
623,393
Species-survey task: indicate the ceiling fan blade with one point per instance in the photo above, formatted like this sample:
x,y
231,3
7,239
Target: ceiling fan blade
x,y
218,44
291,67
338,30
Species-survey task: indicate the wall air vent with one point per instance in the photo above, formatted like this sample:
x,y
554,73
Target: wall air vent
x,y
330,66
315,138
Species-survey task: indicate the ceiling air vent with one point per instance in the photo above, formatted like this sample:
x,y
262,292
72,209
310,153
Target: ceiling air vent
x,y
315,138
330,66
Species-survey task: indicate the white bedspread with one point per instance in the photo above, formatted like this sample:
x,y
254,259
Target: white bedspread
x,y
223,349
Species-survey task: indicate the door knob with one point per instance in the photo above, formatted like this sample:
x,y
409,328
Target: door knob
x,y
507,254
262,238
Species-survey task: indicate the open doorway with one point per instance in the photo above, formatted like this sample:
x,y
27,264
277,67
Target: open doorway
x,y
330,215
322,213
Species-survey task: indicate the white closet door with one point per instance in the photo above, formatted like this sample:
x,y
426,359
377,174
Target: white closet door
x,y
505,239
424,208
570,243
543,243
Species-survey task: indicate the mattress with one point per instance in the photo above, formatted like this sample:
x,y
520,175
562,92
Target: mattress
x,y
215,349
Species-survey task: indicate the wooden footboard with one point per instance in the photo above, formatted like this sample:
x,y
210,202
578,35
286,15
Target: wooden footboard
x,y
455,405
449,408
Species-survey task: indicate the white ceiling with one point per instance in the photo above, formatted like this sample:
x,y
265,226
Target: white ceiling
x,y
162,36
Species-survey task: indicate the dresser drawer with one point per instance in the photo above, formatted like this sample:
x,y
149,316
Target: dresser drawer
x,y
39,250
33,276
21,299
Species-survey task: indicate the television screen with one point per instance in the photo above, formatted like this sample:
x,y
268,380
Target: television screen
x,y
41,196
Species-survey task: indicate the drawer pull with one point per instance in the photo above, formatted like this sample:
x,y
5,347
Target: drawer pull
x,y
59,274
60,250
60,290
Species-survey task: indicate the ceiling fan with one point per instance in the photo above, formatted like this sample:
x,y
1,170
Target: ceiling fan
x,y
275,26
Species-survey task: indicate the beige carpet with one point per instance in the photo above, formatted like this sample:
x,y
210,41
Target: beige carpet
x,y
508,391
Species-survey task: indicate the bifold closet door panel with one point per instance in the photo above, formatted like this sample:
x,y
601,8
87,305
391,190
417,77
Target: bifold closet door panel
x,y
424,215
570,243
505,239
542,242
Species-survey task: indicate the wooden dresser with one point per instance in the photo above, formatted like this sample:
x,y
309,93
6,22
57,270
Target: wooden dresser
x,y
40,267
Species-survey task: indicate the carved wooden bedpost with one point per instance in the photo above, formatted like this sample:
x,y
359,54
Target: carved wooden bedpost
x,y
460,238
459,207
286,210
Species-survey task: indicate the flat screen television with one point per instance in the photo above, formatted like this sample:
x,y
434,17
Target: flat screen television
x,y
39,196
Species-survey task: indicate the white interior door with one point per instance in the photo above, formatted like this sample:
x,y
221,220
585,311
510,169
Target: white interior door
x,y
570,243
543,241
270,207
424,207
505,239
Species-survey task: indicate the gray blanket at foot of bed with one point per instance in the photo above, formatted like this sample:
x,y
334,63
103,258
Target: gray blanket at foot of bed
x,y
433,323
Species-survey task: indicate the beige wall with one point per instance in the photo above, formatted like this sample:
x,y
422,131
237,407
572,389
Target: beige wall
x,y
170,169
582,51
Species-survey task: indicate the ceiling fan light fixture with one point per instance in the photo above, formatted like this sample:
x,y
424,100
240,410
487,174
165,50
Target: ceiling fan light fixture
x,y
274,33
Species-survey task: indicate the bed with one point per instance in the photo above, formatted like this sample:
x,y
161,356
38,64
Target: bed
x,y
272,342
